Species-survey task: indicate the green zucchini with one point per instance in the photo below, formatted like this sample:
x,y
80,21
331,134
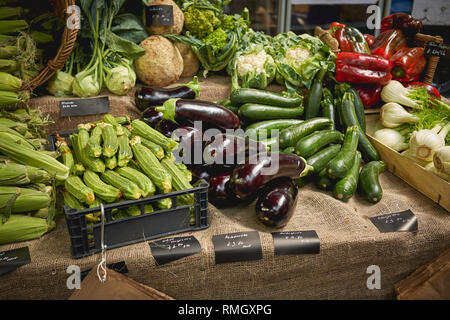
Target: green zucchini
x,y
328,109
369,181
316,141
323,181
290,135
346,187
312,104
247,95
320,159
342,163
269,125
359,108
349,118
259,112
289,150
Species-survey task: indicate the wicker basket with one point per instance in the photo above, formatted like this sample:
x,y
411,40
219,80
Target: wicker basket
x,y
421,40
68,39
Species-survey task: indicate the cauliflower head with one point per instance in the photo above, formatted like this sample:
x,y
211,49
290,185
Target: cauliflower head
x,y
200,22
256,69
296,56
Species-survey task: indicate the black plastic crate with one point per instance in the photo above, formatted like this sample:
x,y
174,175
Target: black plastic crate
x,y
86,239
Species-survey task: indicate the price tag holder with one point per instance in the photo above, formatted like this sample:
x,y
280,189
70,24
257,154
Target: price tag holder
x,y
404,221
171,249
240,246
13,259
296,242
437,49
159,15
119,267
84,107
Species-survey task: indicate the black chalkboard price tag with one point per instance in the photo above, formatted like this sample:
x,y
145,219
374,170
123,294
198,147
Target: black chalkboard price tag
x,y
404,221
296,242
13,259
240,246
159,15
84,107
437,49
171,249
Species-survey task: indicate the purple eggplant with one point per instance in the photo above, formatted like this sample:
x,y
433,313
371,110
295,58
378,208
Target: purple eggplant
x,y
231,149
276,205
199,172
150,97
191,144
152,117
248,179
219,191
185,112
166,127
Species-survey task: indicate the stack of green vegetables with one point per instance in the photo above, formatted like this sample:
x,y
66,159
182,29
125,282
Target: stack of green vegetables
x,y
27,172
114,160
105,52
421,133
327,130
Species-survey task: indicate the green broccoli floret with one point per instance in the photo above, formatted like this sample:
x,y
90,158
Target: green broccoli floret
x,y
200,22
227,22
217,39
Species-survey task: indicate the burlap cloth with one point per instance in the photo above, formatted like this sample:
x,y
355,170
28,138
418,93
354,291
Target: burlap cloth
x,y
350,243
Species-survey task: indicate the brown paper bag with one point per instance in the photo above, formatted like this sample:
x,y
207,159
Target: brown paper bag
x,y
429,282
116,287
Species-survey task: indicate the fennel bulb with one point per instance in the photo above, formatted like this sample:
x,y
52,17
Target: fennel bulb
x,y
430,167
394,91
393,115
441,159
392,138
425,142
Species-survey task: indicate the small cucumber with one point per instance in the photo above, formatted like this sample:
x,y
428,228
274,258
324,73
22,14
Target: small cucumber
x,y
349,118
320,159
259,112
316,141
323,181
247,95
342,163
346,187
369,181
290,135
269,125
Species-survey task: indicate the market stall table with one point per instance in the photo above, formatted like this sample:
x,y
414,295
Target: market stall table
x,y
349,244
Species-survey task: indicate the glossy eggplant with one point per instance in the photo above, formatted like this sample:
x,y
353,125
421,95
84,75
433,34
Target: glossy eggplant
x,y
190,142
249,179
149,96
152,117
231,149
166,127
219,192
185,112
276,205
199,172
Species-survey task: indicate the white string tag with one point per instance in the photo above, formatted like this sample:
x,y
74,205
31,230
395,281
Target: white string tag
x,y
102,264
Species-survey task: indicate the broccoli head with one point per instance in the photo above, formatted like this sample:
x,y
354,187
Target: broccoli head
x,y
200,22
217,39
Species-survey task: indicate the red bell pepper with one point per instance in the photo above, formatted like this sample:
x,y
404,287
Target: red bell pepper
x,y
401,21
370,95
351,40
408,64
334,26
430,89
369,39
362,68
388,43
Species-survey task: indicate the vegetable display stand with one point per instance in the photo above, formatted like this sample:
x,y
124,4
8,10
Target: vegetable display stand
x,y
86,239
422,40
68,40
424,181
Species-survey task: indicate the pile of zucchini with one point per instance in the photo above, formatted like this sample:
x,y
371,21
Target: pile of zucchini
x,y
115,160
328,131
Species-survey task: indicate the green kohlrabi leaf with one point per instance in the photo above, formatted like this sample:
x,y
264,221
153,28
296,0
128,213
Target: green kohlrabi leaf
x,y
129,27
124,47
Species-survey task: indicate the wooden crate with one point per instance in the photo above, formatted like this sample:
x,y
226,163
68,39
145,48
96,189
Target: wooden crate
x,y
434,187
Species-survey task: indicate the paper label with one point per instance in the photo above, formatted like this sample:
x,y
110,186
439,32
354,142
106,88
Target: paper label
x,y
240,246
404,221
13,259
84,107
296,242
160,15
168,250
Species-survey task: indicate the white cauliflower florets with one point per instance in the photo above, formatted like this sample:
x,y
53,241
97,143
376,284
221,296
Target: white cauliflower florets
x,y
252,62
296,56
